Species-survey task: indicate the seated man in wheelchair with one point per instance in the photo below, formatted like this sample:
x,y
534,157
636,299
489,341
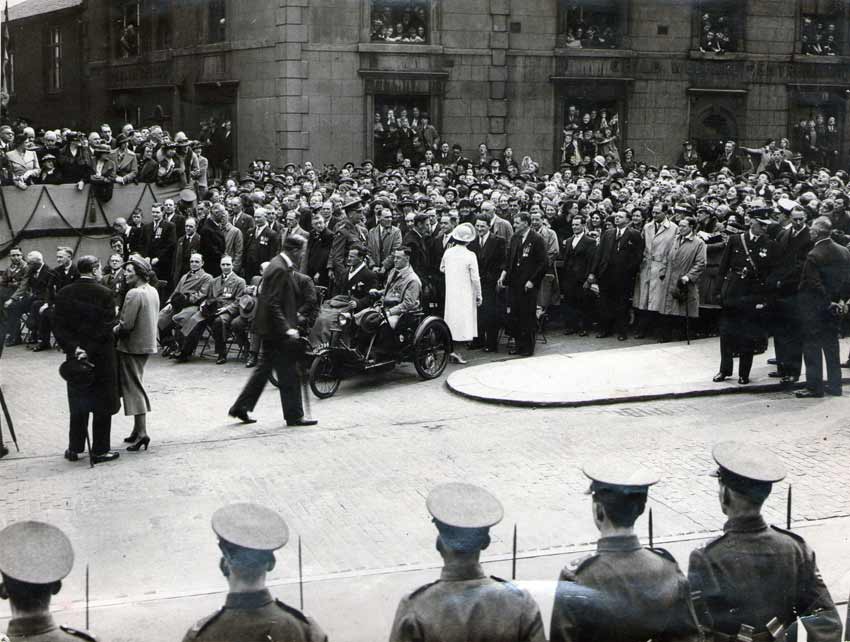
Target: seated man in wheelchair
x,y
400,296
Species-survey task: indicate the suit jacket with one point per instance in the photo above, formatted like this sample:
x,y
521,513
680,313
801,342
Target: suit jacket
x,y
226,292
616,261
358,287
277,305
185,248
245,223
212,245
382,244
259,248
789,252
160,242
179,222
61,278
420,257
526,260
74,168
126,165
577,261
135,241
194,285
825,279
36,285
101,184
491,259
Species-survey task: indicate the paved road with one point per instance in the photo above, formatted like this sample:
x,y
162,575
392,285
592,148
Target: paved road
x,y
353,488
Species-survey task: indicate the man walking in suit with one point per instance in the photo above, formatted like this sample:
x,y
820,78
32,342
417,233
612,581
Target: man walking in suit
x,y
578,255
824,284
276,324
490,251
522,275
614,267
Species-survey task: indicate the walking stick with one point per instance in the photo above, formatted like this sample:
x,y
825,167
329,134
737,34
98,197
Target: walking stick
x,y
300,577
8,422
513,564
87,598
788,510
650,529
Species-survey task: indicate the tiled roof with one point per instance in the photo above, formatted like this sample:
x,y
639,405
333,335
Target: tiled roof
x,y
30,8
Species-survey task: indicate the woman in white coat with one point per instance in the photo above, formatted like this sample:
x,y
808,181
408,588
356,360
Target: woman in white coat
x,y
463,287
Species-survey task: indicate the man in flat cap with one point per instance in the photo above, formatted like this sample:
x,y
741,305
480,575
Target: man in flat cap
x,y
464,604
755,580
623,592
248,535
34,558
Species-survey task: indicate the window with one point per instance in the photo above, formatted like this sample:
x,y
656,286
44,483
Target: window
x,y
817,127
591,129
822,27
591,24
217,21
54,59
402,128
719,27
403,21
128,40
162,23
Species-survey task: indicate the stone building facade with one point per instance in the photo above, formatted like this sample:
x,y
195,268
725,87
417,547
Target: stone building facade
x,y
304,79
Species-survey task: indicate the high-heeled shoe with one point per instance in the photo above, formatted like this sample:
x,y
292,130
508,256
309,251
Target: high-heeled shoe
x,y
143,442
133,436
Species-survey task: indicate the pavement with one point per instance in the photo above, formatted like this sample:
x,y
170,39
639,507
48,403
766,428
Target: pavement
x,y
637,373
353,487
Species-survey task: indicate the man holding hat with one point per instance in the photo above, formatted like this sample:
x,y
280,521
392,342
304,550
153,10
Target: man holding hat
x,y
248,535
465,604
623,592
755,580
34,559
743,270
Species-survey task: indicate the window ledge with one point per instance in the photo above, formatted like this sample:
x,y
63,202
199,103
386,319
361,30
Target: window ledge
x,y
594,53
406,48
820,60
728,56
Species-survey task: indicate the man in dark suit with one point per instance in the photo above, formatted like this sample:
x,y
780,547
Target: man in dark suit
x,y
490,251
160,241
790,248
417,239
85,315
276,324
359,280
730,159
824,283
64,274
522,276
578,255
213,240
102,174
614,267
187,245
238,217
260,244
30,297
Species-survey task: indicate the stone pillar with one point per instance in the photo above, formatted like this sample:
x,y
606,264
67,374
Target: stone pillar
x,y
497,105
292,141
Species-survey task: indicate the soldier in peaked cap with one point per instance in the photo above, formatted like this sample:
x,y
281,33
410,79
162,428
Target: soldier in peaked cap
x,y
248,535
624,592
755,580
34,559
465,605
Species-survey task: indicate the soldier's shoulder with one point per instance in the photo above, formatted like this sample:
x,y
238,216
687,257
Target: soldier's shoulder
x,y
202,624
712,543
298,615
572,570
786,533
508,585
663,553
82,635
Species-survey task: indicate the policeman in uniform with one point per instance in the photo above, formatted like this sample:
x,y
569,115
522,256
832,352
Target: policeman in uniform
x,y
248,535
624,592
465,605
755,580
34,558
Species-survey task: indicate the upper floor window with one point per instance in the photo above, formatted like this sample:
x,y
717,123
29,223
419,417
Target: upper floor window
x,y
720,26
822,27
217,21
403,21
54,59
591,24
128,30
161,12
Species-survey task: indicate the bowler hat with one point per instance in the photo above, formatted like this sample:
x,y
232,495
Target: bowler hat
x,y
77,372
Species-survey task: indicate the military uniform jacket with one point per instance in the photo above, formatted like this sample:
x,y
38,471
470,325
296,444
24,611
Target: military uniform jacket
x,y
256,617
754,573
623,593
42,628
465,605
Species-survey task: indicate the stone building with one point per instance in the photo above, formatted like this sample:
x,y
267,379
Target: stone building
x,y
318,79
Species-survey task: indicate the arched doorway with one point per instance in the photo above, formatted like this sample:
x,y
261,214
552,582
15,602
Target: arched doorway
x,y
712,127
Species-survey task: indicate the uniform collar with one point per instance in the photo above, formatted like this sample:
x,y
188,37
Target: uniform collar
x,y
31,625
745,524
460,573
618,544
252,600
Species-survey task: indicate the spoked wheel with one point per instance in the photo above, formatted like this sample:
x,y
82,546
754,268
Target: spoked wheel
x,y
323,378
431,351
